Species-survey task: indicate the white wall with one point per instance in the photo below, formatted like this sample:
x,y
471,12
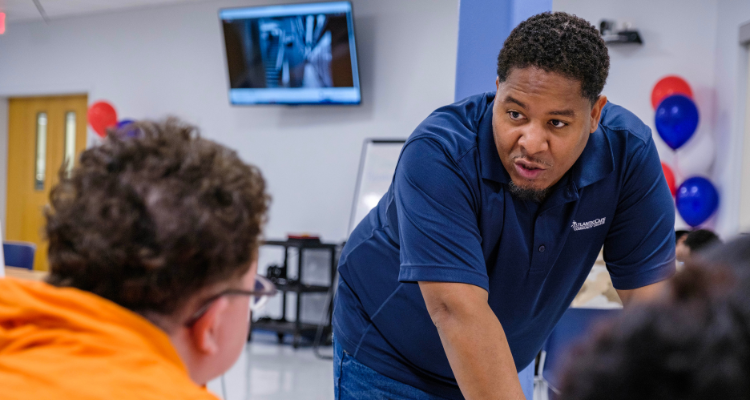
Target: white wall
x,y
679,38
731,63
744,175
170,60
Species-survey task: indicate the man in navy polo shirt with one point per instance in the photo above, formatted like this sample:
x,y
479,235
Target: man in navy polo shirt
x,y
498,208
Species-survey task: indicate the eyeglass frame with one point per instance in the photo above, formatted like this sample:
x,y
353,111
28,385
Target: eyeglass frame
x,y
268,289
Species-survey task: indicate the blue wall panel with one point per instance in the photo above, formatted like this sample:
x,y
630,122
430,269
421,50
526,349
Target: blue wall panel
x,y
483,26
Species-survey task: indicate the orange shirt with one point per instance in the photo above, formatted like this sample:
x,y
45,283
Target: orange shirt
x,y
64,343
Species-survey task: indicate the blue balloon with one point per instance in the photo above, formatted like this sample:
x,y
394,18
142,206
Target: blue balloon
x,y
124,122
676,120
697,199
124,131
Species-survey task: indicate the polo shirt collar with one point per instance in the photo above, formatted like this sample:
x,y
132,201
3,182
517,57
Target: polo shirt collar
x,y
596,161
492,166
594,164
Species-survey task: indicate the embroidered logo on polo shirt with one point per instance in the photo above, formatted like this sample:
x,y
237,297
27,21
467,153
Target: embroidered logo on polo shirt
x,y
577,226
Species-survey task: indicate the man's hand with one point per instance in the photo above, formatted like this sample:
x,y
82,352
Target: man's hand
x,y
642,294
473,339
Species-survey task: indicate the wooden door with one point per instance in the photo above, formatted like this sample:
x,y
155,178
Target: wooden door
x,y
43,132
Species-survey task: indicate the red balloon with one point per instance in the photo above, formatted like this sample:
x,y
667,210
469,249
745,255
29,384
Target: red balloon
x,y
102,116
668,86
669,175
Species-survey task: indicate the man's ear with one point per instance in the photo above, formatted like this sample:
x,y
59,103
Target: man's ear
x,y
596,112
204,333
497,83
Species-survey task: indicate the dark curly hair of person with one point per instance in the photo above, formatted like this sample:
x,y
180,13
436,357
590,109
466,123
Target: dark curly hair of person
x,y
561,43
148,222
700,239
694,343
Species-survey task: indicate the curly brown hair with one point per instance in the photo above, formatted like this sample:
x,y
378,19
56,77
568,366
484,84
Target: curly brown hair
x,y
148,222
694,343
558,42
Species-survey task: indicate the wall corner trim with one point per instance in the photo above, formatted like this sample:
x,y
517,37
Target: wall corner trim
x,y
745,33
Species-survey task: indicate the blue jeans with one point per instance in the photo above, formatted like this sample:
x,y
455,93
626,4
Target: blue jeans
x,y
354,380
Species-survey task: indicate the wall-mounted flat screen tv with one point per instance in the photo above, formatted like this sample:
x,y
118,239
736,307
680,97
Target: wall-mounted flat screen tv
x,y
291,54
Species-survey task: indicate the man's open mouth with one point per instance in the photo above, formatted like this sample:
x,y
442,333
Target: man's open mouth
x,y
528,170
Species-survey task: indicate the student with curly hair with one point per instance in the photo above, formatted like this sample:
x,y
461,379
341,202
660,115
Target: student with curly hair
x,y
498,208
693,343
153,255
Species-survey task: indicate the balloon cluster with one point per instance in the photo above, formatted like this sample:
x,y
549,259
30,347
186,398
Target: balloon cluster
x,y
676,121
102,116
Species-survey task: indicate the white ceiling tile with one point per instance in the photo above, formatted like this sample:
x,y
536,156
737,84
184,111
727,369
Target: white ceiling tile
x,y
21,10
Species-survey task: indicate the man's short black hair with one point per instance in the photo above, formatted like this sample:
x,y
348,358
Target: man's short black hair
x,y
700,239
558,42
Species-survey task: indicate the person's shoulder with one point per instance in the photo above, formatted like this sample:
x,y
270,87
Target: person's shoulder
x,y
454,127
622,125
158,380
187,391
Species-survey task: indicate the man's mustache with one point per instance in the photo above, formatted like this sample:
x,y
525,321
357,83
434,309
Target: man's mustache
x,y
531,160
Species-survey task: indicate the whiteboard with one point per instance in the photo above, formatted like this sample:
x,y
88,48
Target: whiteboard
x,y
376,167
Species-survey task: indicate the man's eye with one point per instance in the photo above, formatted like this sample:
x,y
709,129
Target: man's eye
x,y
514,115
557,123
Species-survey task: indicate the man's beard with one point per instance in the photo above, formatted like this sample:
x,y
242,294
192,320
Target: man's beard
x,y
528,194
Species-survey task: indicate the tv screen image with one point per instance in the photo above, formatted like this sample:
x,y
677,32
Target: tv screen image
x,y
292,54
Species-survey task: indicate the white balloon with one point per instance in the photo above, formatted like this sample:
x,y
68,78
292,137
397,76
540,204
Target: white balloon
x,y
696,157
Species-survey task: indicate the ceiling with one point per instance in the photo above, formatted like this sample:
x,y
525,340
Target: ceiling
x,y
25,10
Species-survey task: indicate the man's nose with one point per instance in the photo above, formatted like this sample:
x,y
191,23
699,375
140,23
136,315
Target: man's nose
x,y
534,139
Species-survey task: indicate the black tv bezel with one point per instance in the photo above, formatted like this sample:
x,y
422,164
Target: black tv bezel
x,y
315,104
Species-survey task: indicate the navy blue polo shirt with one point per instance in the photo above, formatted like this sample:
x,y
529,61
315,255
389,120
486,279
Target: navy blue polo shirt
x,y
449,217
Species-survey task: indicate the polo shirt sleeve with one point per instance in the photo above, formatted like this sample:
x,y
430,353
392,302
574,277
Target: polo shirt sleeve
x,y
437,221
640,249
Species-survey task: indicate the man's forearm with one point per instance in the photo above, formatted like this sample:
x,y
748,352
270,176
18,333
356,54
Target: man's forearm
x,y
478,351
641,295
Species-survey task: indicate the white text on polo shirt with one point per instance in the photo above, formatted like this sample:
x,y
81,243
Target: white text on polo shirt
x,y
588,225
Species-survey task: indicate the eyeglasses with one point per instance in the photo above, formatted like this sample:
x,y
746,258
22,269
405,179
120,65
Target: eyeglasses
x,y
258,298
